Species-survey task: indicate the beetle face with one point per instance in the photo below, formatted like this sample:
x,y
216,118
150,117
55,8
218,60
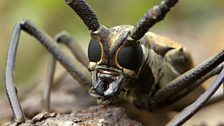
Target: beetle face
x,y
112,60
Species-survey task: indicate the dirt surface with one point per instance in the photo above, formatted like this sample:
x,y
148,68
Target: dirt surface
x,y
93,116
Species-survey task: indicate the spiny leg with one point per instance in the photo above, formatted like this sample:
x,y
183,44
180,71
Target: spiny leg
x,y
187,79
64,38
77,71
200,81
194,107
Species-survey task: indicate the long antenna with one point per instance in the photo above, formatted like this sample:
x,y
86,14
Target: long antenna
x,y
151,17
85,13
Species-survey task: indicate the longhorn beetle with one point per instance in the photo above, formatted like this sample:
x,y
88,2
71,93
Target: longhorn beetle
x,y
126,63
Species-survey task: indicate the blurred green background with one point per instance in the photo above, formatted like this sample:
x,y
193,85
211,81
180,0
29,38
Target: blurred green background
x,y
197,24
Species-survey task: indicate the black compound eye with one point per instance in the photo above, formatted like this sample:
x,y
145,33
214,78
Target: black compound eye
x,y
94,51
130,57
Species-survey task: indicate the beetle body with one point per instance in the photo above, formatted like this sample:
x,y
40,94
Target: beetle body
x,y
124,69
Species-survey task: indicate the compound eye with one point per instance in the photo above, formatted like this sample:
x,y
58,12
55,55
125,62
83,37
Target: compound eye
x,y
130,57
94,51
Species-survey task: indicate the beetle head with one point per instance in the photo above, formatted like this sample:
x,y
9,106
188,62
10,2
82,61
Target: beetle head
x,y
114,59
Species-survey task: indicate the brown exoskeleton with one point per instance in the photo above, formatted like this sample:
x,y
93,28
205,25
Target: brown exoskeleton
x,y
126,63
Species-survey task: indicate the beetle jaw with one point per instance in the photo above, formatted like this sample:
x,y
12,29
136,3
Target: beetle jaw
x,y
105,83
108,83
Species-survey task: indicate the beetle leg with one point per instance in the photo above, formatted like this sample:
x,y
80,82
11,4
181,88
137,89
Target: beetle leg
x,y
200,81
194,107
49,80
9,78
189,78
64,38
189,89
80,73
